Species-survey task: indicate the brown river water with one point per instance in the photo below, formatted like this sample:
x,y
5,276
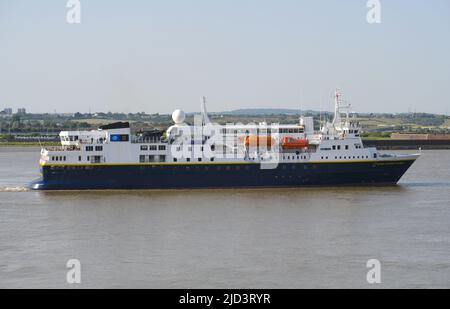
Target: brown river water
x,y
259,238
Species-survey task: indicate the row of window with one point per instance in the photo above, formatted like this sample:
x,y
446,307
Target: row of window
x,y
188,167
91,148
153,147
350,157
262,131
59,158
338,147
71,138
293,157
189,159
152,158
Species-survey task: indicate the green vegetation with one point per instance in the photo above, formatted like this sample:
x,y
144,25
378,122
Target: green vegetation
x,y
29,128
376,135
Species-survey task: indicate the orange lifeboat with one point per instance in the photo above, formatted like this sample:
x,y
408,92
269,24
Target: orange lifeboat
x,y
256,141
294,143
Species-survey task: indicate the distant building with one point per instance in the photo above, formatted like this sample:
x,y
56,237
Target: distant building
x,y
8,111
21,111
419,136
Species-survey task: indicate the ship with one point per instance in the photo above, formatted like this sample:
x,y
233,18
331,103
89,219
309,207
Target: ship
x,y
207,155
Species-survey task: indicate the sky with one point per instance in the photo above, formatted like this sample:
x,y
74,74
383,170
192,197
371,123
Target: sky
x,y
157,56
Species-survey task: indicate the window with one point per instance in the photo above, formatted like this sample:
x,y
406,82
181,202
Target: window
x,y
174,159
64,158
212,159
152,147
89,148
188,159
162,158
144,147
88,158
79,158
142,158
346,147
339,147
98,148
53,158
162,147
334,147
199,159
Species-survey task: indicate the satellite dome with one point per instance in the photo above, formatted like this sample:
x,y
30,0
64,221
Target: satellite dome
x,y
178,116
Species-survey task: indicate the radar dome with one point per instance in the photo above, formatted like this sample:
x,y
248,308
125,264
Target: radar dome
x,y
178,116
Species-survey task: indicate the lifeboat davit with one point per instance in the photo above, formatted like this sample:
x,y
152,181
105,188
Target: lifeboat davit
x,y
258,140
294,143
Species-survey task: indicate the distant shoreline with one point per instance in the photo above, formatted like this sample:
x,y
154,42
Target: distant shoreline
x,y
380,143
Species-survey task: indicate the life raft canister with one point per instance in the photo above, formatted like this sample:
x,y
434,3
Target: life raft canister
x,y
294,143
258,140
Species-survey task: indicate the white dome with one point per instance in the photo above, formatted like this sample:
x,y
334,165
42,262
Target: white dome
x,y
178,116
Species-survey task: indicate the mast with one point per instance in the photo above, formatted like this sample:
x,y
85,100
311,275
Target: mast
x,y
205,118
337,113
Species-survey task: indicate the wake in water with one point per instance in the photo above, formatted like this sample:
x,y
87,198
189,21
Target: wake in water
x,y
14,189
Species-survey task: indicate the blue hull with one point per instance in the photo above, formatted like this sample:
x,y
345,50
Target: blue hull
x,y
170,176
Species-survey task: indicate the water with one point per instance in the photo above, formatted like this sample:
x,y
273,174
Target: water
x,y
280,238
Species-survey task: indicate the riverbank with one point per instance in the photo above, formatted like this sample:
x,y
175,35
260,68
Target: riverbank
x,y
29,144
400,144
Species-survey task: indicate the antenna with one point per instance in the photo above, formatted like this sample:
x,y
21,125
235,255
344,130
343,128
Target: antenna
x,y
39,140
205,117
300,103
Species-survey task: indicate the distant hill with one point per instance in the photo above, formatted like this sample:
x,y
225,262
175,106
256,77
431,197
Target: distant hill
x,y
262,111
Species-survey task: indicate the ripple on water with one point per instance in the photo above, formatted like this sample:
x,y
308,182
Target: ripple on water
x,y
14,189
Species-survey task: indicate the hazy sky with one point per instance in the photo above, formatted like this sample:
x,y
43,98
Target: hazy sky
x,y
155,56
